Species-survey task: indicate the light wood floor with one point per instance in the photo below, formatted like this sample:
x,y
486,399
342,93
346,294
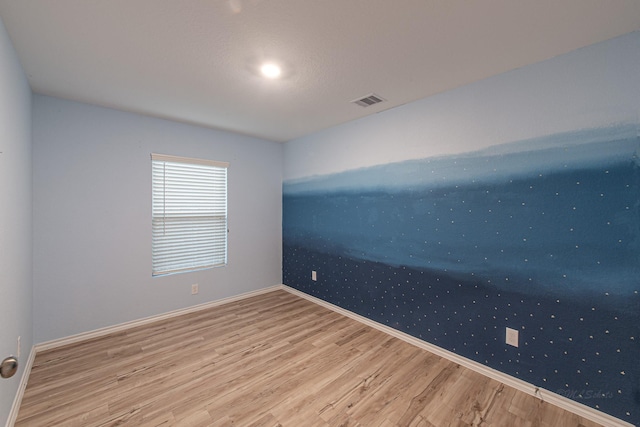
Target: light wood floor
x,y
271,360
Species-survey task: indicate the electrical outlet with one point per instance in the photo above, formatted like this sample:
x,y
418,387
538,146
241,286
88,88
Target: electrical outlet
x,y
314,275
194,289
511,337
18,352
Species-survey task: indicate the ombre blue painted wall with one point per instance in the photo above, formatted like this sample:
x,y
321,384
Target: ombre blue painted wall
x,y
510,202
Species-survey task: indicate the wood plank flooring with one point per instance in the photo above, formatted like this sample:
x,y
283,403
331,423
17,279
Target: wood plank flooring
x,y
270,360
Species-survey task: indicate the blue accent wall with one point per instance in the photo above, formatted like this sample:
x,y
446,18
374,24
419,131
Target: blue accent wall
x,y
510,202
542,236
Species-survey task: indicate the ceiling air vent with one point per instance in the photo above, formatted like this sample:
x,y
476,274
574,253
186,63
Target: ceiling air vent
x,y
369,100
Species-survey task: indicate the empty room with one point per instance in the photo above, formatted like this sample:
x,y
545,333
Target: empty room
x,y
320,213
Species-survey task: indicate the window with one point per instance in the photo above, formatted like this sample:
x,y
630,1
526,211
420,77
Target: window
x,y
189,219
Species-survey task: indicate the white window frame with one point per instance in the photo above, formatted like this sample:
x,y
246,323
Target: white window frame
x,y
189,214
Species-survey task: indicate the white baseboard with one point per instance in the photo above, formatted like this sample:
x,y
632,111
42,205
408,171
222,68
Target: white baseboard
x,y
48,345
546,395
26,371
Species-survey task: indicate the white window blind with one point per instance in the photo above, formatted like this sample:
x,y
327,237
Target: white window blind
x,y
189,218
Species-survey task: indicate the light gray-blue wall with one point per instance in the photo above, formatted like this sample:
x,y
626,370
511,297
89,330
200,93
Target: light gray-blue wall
x,y
588,88
15,217
92,216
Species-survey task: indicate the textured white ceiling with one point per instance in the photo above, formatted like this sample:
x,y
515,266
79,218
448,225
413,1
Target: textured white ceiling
x,y
196,60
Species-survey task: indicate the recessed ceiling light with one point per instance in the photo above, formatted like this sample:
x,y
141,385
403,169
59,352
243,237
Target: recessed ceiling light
x,y
270,70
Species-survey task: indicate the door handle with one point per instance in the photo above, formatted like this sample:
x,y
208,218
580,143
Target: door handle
x,y
8,367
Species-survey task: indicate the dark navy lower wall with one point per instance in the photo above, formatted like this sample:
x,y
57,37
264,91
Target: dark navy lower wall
x,y
558,351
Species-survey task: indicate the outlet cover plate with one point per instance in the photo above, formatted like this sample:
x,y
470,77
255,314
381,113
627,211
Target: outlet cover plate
x,y
512,337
